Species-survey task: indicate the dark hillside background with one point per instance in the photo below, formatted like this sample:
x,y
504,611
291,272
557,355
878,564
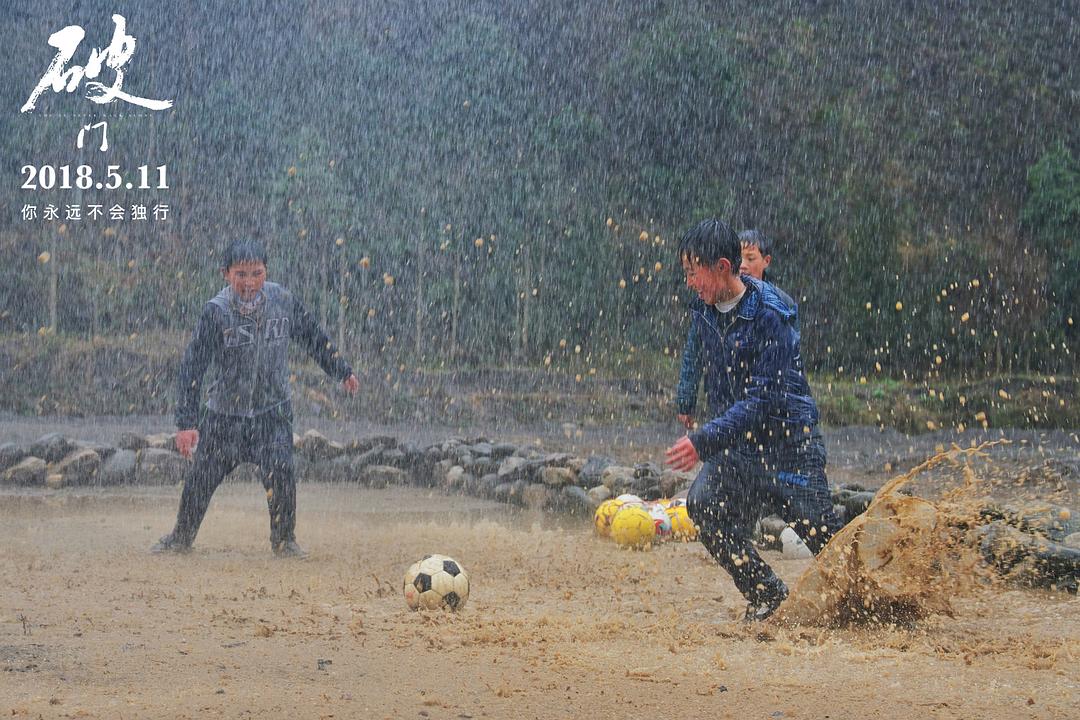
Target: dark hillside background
x,y
455,184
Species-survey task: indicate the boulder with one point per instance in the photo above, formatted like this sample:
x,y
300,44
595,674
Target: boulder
x,y
672,482
598,494
454,477
381,476
119,469
537,496
617,478
576,500
155,466
593,469
51,448
512,468
557,477
1030,559
503,450
78,467
10,453
28,471
161,441
486,485
316,447
131,441
378,441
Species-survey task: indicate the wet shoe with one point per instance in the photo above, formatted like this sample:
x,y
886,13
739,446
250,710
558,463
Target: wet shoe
x,y
169,545
765,607
289,549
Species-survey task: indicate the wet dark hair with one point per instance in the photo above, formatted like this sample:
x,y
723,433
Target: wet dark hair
x,y
758,239
239,251
709,241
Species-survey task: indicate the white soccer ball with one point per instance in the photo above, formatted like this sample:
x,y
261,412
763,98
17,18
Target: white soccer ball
x,y
660,517
435,582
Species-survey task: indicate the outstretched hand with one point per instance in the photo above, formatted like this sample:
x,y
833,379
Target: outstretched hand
x,y
186,440
682,455
351,384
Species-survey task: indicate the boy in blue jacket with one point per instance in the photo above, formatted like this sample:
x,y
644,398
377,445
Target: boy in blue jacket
x,y
762,451
244,331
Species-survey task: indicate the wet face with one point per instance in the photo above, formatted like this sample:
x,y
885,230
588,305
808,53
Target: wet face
x,y
753,262
246,279
710,282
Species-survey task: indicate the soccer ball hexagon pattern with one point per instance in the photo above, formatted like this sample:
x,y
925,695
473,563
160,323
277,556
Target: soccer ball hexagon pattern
x,y
435,582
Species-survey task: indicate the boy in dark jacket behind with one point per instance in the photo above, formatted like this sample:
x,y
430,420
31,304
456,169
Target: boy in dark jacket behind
x,y
244,331
762,450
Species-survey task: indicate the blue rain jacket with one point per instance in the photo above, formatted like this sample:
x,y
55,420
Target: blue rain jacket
x,y
759,398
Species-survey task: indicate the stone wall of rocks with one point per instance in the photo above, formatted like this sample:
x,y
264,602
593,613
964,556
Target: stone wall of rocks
x,y
514,474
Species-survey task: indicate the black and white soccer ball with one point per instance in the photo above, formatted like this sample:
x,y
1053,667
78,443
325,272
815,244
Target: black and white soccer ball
x,y
436,581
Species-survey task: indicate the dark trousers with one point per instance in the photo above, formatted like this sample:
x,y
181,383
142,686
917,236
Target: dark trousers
x,y
729,496
225,441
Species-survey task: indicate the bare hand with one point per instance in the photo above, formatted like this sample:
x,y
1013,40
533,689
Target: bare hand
x,y
186,440
682,455
351,384
687,421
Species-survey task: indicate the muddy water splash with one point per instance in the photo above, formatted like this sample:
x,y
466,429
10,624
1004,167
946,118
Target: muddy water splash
x,y
901,560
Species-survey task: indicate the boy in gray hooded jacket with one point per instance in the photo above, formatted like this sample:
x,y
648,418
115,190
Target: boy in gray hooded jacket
x,y
244,331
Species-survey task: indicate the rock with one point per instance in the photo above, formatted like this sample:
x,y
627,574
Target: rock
x,y
381,476
598,494
486,485
161,441
482,465
131,441
593,469
342,469
576,500
793,546
10,453
154,466
772,527
617,477
454,477
103,450
672,482
537,496
316,447
54,481
557,476
854,502
1030,559
512,468
1072,540
1056,522
118,469
79,467
395,457
503,492
503,450
387,442
482,449
51,448
28,471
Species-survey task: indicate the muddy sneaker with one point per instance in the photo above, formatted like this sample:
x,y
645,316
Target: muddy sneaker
x,y
289,549
762,609
169,545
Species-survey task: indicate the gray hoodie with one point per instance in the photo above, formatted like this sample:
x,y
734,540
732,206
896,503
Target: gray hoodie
x,y
251,355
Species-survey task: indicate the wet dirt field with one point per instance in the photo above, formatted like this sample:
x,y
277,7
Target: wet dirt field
x,y
559,624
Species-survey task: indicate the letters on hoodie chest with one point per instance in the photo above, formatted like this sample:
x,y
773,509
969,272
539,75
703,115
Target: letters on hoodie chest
x,y
247,332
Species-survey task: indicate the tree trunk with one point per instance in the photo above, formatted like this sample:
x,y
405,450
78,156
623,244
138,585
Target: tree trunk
x,y
343,299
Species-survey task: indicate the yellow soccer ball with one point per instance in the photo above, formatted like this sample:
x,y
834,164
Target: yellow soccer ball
x,y
633,527
603,515
682,527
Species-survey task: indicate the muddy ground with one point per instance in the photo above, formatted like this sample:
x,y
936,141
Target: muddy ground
x,y
559,624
